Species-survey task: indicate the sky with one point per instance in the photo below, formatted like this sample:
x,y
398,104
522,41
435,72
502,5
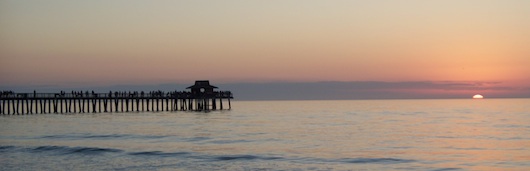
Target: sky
x,y
100,43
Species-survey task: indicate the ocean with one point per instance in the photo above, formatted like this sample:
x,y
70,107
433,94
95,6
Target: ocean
x,y
454,134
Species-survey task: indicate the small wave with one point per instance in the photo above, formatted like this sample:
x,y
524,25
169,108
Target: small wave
x,y
239,157
5,148
54,137
88,150
74,150
195,139
83,136
244,157
469,148
375,160
159,154
202,157
312,160
447,169
102,137
228,141
402,147
48,148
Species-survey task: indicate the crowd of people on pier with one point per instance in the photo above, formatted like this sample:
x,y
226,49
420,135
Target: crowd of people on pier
x,y
7,93
119,94
159,93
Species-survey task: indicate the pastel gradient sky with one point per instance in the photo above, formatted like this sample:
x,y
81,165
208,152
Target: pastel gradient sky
x,y
101,42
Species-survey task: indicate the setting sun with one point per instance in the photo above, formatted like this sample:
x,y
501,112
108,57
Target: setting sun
x,y
478,96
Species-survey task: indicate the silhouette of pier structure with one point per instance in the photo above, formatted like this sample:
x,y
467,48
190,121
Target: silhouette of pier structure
x,y
202,97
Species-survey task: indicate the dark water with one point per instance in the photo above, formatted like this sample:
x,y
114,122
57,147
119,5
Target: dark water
x,y
489,134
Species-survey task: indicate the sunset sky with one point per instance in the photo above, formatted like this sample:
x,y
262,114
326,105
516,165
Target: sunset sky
x,y
483,43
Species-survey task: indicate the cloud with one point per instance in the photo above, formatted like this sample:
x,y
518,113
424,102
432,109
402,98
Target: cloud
x,y
361,90
330,90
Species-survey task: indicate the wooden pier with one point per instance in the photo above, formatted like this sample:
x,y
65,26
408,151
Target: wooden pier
x,y
200,98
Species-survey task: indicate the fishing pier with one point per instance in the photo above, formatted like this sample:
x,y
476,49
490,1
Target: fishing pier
x,y
202,97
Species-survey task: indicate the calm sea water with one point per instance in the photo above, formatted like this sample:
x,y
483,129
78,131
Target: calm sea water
x,y
488,134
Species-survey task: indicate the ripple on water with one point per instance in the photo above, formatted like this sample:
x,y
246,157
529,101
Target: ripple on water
x,y
228,141
159,154
100,137
447,169
244,157
375,160
6,148
73,150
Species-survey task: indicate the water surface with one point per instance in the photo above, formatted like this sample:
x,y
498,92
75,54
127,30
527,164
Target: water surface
x,y
488,134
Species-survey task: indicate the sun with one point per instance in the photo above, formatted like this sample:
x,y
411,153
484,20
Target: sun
x,y
478,96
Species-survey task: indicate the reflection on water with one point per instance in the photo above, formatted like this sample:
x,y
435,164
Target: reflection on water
x,y
492,134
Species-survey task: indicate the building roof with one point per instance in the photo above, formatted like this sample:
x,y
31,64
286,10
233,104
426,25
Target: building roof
x,y
202,84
